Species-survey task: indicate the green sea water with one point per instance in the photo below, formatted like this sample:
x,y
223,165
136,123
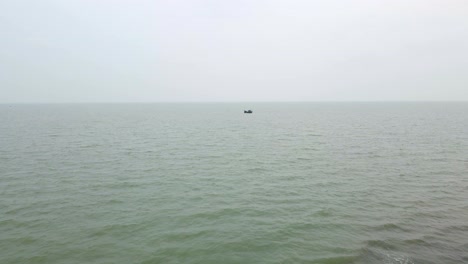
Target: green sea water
x,y
206,183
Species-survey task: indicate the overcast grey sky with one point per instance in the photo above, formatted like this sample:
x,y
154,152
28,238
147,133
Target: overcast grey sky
x,y
239,50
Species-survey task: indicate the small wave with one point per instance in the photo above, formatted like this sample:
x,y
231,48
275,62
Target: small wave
x,y
416,241
336,260
306,148
89,146
257,169
324,212
390,227
381,244
461,228
115,201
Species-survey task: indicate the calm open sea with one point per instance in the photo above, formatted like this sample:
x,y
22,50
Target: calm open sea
x,y
206,183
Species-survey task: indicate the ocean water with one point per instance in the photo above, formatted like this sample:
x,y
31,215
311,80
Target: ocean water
x,y
206,183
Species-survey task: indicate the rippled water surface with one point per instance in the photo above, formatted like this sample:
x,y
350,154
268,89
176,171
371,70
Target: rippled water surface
x,y
206,183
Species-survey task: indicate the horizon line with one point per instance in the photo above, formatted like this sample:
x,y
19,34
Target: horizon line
x,y
214,102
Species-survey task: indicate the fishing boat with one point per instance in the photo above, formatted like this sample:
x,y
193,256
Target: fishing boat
x,y
248,111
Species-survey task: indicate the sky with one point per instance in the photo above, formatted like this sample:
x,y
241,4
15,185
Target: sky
x,y
54,51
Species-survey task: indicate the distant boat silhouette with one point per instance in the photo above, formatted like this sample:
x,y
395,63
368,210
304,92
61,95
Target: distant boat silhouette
x,y
248,111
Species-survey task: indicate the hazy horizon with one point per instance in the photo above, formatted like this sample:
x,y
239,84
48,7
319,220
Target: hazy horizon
x,y
244,51
234,102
